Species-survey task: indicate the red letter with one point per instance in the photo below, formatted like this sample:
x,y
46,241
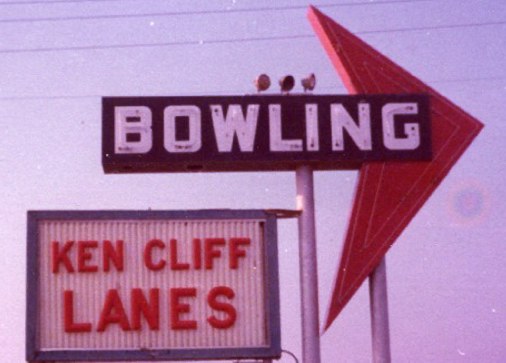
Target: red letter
x,y
197,254
212,300
147,255
210,252
83,256
235,252
68,315
112,255
150,311
61,256
177,308
113,312
174,264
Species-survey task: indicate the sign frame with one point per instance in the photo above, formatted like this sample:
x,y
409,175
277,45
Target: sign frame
x,y
34,353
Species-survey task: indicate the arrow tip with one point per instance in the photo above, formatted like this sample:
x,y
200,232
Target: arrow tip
x,y
389,194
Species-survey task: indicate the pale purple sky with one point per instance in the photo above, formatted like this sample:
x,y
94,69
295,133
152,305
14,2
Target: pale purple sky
x,y
446,273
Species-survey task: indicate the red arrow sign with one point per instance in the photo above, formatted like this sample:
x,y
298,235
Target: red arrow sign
x,y
389,194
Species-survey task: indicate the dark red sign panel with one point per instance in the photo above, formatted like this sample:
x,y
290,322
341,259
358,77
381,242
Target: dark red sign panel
x,y
181,134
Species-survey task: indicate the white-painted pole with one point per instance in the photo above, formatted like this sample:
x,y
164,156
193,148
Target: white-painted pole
x,y
379,314
308,265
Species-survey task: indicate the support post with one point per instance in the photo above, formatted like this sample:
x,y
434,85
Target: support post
x,y
308,265
379,314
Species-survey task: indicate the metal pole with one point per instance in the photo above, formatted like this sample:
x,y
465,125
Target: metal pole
x,y
308,265
379,314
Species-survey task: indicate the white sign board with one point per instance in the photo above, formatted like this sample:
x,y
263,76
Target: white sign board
x,y
152,285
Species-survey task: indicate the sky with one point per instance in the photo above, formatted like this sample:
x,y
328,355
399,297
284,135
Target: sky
x,y
446,290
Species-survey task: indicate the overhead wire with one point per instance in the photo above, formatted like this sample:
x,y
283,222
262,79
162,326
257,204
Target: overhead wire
x,y
50,2
435,27
150,45
200,12
219,41
229,92
241,40
213,41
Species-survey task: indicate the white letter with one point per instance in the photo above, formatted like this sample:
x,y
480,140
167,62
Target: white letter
x,y
361,133
235,124
412,139
132,130
194,142
276,141
312,135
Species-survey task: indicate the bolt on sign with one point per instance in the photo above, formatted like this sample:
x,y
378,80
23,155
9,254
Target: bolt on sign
x,y
235,133
152,285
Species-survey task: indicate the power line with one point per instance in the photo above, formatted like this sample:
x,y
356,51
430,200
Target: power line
x,y
239,40
198,12
215,92
47,98
435,27
49,2
470,79
151,45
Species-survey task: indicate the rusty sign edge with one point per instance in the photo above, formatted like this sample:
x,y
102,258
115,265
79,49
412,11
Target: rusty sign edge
x,y
271,286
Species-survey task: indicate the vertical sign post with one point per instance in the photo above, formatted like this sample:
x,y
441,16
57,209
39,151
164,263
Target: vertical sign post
x,y
308,265
379,314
